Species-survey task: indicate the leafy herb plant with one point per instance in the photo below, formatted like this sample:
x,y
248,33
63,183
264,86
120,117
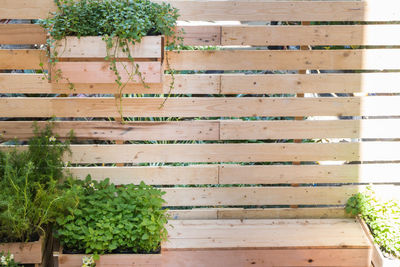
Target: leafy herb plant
x,y
7,259
31,197
110,219
120,23
382,217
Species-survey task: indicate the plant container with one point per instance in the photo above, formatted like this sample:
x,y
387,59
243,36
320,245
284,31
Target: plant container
x,y
82,60
108,260
25,252
378,258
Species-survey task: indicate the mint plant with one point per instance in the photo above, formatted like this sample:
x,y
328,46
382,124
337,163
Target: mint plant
x,y
111,219
382,217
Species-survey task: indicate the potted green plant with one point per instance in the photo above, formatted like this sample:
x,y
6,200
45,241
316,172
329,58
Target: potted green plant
x,y
380,219
113,225
107,41
31,197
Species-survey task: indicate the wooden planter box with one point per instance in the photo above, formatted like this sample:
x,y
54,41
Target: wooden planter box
x,y
147,260
25,253
378,259
81,60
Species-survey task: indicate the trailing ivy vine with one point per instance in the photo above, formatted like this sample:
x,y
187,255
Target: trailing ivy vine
x,y
120,23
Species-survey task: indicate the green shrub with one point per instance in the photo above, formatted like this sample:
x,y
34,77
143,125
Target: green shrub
x,y
31,197
112,219
382,217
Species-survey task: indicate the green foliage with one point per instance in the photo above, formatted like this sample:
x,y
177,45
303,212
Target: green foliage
x,y
383,218
114,219
7,260
30,196
120,22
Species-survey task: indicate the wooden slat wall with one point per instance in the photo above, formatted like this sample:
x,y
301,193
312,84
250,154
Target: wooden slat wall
x,y
224,160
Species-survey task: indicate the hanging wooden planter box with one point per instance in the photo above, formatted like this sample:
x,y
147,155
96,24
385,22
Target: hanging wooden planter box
x,y
378,259
148,260
81,60
25,253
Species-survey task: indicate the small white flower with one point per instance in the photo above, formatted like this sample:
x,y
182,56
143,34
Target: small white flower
x,y
3,260
11,256
52,139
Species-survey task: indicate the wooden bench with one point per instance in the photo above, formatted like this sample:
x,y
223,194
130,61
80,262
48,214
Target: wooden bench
x,y
269,201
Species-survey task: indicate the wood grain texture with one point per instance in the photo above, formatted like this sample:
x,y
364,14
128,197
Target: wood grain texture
x,y
239,10
25,253
282,213
100,72
238,234
106,130
300,83
141,153
267,257
162,175
22,34
215,84
249,196
35,83
200,107
109,260
314,174
311,35
95,47
270,152
22,58
305,129
370,59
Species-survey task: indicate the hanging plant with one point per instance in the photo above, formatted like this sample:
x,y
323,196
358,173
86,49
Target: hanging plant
x,y
126,35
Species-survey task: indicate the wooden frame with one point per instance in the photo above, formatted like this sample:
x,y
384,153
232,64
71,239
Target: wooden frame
x,y
25,253
81,60
378,259
119,260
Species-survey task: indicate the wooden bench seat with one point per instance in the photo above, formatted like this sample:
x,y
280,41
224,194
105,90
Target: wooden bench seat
x,y
280,242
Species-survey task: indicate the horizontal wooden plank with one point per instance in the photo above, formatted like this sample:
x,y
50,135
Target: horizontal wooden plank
x,y
100,72
282,213
106,130
261,152
95,47
237,196
35,83
215,83
200,107
284,257
287,10
241,35
311,35
370,59
238,10
193,214
157,175
260,213
210,130
274,234
22,58
310,83
22,34
373,128
297,174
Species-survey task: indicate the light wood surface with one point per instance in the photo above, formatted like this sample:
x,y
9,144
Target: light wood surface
x,y
22,34
240,10
95,47
200,106
100,72
282,233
